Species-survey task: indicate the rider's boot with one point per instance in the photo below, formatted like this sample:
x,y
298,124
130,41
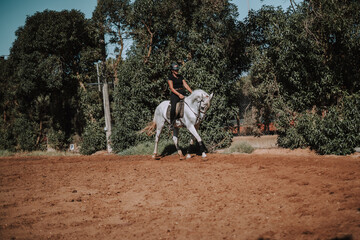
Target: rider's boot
x,y
171,125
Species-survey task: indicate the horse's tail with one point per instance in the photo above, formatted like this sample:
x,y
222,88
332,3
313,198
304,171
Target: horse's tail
x,y
149,129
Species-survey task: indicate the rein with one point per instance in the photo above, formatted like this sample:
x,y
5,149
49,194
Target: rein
x,y
197,114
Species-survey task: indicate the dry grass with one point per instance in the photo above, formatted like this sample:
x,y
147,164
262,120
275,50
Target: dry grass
x,y
266,141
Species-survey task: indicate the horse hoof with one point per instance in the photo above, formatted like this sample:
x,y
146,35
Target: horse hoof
x,y
188,156
156,157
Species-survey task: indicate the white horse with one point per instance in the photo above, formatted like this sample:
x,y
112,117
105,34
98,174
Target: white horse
x,y
195,107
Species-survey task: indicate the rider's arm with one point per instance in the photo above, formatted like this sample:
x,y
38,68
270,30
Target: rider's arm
x,y
186,86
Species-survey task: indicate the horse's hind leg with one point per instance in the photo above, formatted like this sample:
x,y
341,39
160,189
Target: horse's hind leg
x,y
159,128
175,139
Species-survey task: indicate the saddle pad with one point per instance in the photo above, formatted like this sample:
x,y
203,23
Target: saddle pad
x,y
179,110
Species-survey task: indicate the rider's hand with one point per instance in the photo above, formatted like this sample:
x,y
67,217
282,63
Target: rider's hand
x,y
181,96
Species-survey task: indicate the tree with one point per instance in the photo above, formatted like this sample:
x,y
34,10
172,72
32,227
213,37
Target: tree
x,y
7,104
111,18
51,56
263,36
7,89
307,56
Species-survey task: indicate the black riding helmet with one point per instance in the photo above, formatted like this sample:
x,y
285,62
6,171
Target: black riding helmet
x,y
175,66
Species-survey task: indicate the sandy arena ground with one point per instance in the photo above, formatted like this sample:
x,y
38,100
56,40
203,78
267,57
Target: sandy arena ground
x,y
265,195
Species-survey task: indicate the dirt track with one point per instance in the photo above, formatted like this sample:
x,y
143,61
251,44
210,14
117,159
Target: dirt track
x,y
269,196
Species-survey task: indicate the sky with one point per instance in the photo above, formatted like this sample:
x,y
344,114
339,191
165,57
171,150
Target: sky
x,y
13,13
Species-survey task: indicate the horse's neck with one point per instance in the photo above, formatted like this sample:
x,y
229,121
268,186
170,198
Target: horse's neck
x,y
191,102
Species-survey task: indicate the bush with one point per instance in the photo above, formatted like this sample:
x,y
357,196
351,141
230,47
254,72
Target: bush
x,y
93,139
57,139
7,140
335,133
338,132
291,138
25,134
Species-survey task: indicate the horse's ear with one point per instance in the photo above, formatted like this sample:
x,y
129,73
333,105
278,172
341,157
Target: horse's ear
x,y
211,96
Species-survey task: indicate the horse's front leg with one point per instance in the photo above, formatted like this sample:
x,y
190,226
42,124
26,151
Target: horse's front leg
x,y
175,139
188,155
193,131
192,141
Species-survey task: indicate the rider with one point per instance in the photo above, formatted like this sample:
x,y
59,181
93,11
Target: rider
x,y
177,85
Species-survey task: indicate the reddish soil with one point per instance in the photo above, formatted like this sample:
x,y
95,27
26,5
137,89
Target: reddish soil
x,y
263,195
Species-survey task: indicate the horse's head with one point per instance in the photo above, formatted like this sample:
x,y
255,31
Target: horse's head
x,y
202,98
205,101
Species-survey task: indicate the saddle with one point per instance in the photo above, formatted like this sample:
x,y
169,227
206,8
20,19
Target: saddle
x,y
179,110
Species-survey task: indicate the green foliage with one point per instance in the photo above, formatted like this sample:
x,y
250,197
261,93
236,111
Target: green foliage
x,y
264,88
291,138
338,132
132,98
25,133
93,138
113,16
7,90
51,55
7,139
335,133
304,66
57,139
7,105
